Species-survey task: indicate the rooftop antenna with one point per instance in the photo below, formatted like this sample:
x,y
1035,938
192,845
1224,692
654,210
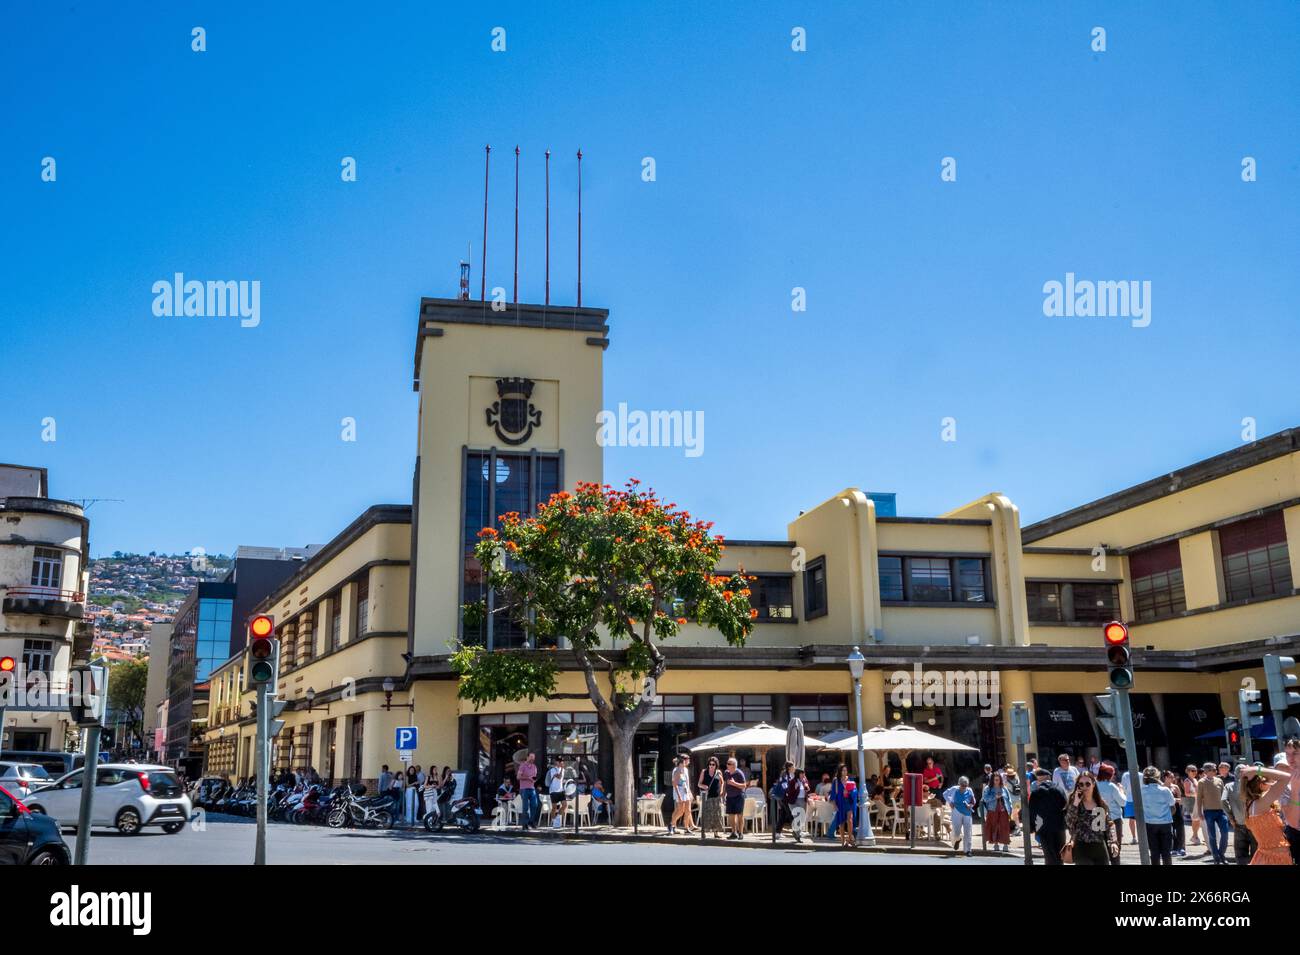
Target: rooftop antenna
x,y
85,502
516,225
579,229
487,160
548,227
464,275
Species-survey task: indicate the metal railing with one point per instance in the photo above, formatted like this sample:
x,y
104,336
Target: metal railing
x,y
46,593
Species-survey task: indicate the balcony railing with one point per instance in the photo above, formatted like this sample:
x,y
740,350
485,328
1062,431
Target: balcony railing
x,y
45,602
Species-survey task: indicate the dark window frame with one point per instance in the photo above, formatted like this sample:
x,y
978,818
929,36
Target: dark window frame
x,y
810,611
1067,599
761,578
955,575
1160,594
1265,561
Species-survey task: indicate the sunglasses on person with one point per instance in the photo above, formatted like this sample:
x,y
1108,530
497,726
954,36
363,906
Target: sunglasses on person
x,y
1085,784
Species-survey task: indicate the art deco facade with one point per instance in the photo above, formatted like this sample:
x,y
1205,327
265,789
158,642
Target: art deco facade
x,y
1201,563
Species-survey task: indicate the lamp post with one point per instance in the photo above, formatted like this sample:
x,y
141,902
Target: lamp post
x,y
857,663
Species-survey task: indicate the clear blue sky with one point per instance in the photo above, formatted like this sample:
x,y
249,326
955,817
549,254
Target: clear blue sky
x,y
775,169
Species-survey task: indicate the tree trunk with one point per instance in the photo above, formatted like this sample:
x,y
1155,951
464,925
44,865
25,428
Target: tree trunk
x,y
625,794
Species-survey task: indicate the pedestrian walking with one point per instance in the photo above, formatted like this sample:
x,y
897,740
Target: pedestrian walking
x,y
780,804
735,783
844,796
1191,811
1087,821
1065,775
1115,799
796,796
1169,779
681,782
997,814
1263,787
555,789
1234,802
962,800
1158,809
530,806
1047,816
1209,794
710,786
385,782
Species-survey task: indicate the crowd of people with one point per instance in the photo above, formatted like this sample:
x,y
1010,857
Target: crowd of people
x,y
1079,813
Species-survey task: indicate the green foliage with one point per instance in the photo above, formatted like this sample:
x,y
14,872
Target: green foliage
x,y
126,687
603,562
502,675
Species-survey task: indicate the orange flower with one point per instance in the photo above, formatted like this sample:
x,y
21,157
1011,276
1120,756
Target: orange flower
x,y
727,595
753,615
682,621
488,532
745,592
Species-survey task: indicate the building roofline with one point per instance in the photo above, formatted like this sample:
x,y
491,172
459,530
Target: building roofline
x,y
44,472
1211,469
458,311
371,517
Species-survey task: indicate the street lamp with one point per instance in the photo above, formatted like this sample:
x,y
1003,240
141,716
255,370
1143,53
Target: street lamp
x,y
389,686
857,663
310,696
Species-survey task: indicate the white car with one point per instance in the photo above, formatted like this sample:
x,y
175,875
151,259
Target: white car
x,y
21,778
128,797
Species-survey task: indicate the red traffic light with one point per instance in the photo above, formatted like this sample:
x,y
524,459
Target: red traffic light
x,y
6,664
1234,737
261,626
1115,633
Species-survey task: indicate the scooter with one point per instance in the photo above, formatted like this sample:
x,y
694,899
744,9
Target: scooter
x,y
463,812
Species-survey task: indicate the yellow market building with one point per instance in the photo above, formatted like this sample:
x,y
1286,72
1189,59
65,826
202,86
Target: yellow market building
x,y
1197,562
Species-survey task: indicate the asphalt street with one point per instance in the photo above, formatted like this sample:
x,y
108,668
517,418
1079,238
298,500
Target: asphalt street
x,y
229,841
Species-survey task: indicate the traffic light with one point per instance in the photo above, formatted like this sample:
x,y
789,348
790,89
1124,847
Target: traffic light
x,y
7,664
1115,636
1232,733
88,694
1252,708
1280,694
1108,715
264,650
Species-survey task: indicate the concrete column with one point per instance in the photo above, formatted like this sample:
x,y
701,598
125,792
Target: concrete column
x,y
537,740
704,713
780,710
467,748
1017,685
873,709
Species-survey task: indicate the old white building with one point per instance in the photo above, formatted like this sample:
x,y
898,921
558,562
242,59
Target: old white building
x,y
43,582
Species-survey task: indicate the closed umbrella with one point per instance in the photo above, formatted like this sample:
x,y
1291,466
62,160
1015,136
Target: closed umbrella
x,y
794,742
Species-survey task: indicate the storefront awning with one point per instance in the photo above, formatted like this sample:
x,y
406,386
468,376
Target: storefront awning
x,y
1062,723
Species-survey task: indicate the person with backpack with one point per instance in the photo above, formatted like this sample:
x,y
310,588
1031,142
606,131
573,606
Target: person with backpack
x,y
777,795
555,788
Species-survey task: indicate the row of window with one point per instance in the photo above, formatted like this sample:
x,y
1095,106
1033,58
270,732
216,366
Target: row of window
x,y
1253,556
301,649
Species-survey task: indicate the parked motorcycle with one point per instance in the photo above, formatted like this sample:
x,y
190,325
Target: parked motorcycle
x,y
463,812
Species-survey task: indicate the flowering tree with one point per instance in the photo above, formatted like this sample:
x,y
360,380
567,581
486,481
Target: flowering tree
x,y
615,573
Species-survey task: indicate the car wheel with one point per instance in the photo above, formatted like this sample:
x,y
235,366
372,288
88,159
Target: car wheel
x,y
48,857
39,810
128,822
172,828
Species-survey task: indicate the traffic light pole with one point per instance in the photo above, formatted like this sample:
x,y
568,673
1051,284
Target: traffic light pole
x,y
85,811
1247,744
1125,714
263,769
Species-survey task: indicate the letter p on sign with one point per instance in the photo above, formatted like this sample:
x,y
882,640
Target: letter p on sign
x,y
406,737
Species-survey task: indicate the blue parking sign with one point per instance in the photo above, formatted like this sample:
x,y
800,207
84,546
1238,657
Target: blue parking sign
x,y
406,737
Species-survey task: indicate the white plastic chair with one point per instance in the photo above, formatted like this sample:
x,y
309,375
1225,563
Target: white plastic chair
x,y
583,809
754,815
544,817
650,809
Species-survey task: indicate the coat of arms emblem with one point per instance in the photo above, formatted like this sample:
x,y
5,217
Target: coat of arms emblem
x,y
512,415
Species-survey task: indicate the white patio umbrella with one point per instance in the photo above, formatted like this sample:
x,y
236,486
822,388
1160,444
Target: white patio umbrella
x,y
901,739
701,742
834,736
762,737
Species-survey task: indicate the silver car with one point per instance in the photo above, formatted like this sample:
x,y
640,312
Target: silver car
x,y
21,778
128,797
